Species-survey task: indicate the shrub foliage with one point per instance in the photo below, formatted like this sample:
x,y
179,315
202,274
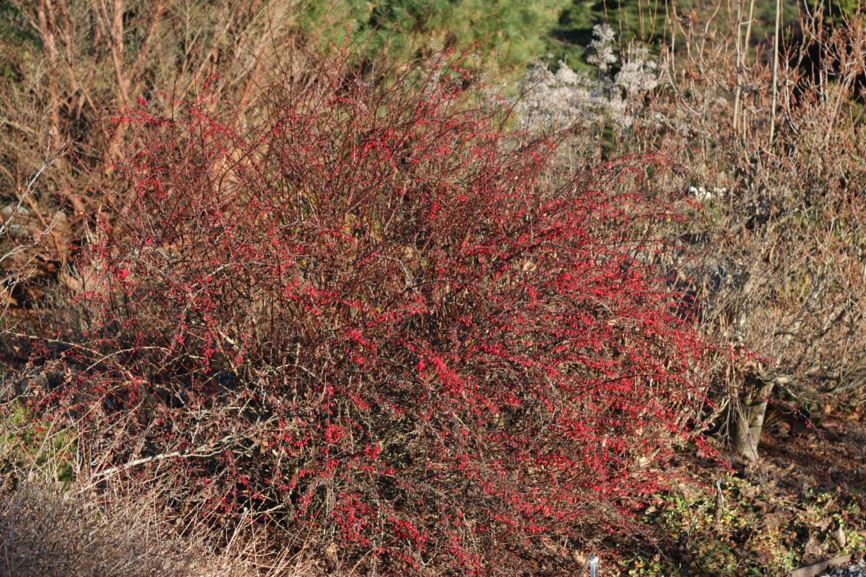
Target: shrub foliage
x,y
383,324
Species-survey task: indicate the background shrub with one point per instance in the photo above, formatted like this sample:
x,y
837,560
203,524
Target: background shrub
x,y
774,254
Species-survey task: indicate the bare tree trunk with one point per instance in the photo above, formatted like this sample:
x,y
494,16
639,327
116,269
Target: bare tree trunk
x,y
750,421
45,15
742,57
775,70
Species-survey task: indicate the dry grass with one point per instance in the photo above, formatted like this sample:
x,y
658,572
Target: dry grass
x,y
48,532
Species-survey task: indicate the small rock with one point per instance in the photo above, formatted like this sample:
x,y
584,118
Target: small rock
x,y
839,536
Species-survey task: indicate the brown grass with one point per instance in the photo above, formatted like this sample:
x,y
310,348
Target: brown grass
x,y
48,532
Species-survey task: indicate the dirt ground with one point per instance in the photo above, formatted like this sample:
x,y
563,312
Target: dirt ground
x,y
804,501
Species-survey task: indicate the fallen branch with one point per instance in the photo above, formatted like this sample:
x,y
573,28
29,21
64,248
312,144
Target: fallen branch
x,y
197,454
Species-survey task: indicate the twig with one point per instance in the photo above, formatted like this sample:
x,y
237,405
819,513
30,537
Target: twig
x,y
161,457
775,71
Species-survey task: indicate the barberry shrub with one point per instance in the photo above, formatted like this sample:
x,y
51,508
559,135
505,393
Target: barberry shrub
x,y
378,321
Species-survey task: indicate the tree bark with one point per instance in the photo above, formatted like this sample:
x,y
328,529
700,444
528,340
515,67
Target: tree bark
x,y
750,420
